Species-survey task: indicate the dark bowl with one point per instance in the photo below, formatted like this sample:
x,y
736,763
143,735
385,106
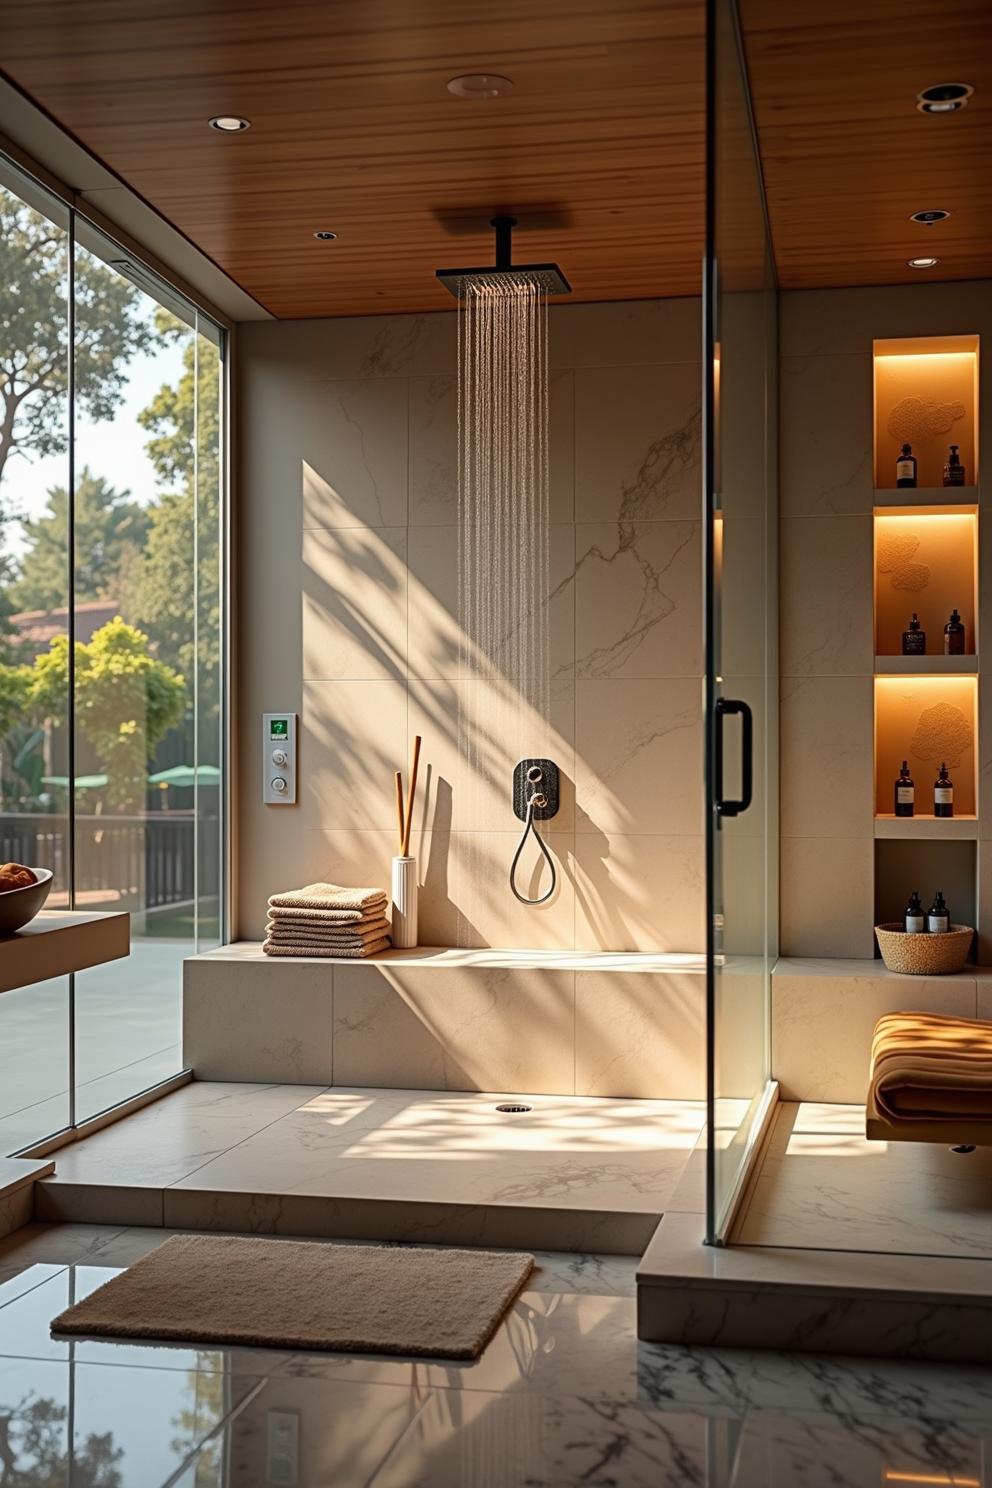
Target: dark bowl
x,y
19,906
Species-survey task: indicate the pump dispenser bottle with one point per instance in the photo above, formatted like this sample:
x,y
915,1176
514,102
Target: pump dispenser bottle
x,y
943,794
953,469
939,916
954,635
914,640
914,920
905,792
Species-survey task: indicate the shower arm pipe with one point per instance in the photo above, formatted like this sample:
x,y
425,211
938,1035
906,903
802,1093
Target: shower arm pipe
x,y
535,800
504,241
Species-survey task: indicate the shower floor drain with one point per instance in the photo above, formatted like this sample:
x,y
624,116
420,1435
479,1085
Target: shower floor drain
x,y
512,1110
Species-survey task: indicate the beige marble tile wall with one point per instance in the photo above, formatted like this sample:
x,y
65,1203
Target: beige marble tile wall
x,y
347,531
826,641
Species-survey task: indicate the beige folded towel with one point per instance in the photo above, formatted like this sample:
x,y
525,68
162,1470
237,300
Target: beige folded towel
x,y
339,919
371,948
326,896
343,935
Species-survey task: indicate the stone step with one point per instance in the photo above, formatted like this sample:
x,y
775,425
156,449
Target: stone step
x,y
18,1176
815,1301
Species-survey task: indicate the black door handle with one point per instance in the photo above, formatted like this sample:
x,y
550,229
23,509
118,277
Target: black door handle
x,y
723,707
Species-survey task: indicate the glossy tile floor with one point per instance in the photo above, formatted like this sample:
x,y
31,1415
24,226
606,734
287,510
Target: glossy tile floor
x,y
822,1184
275,1158
564,1395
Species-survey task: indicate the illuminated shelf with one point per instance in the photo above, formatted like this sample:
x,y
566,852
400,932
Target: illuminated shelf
x,y
898,666
926,718
924,561
926,394
926,496
928,828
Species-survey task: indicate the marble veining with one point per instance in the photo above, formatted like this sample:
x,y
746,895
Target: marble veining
x,y
821,1183
564,1394
396,1164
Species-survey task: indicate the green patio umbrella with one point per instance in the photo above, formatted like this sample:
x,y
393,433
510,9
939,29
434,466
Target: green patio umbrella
x,y
83,782
186,775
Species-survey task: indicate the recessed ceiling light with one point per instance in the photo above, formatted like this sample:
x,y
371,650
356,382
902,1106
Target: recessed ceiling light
x,y
229,124
930,216
944,98
922,263
480,85
325,235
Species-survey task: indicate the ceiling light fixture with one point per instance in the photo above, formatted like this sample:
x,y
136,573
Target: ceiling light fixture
x,y
325,235
930,216
229,123
944,98
922,263
480,85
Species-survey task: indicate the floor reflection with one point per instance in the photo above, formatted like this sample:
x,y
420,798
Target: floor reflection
x,y
563,1396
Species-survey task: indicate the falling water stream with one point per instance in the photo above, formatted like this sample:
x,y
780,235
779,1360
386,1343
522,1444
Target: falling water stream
x,y
503,524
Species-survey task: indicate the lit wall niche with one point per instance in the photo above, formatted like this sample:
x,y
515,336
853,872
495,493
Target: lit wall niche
x,y
926,395
926,720
926,560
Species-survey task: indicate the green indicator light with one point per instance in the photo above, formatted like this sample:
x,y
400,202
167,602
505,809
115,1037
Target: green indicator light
x,y
279,728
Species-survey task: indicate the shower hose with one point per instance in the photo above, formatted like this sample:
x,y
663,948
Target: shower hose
x,y
535,800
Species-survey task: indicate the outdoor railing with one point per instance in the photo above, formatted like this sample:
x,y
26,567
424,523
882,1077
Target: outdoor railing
x,y
145,860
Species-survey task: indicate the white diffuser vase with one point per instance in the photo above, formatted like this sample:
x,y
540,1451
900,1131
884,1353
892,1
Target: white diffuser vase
x,y
404,918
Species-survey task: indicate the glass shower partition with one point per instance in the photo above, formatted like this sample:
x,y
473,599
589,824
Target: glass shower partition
x,y
739,360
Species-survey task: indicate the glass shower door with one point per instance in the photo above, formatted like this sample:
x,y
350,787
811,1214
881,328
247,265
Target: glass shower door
x,y
741,628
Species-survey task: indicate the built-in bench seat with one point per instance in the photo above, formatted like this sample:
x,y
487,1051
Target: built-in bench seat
x,y
443,1018
930,1080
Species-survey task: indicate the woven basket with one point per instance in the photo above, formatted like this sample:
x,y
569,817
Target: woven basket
x,y
924,955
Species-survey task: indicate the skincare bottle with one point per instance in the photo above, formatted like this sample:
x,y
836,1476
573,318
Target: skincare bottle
x,y
905,792
943,794
954,635
953,470
914,640
914,920
906,467
939,918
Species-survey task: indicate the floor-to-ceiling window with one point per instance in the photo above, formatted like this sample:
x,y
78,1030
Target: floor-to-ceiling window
x,y
111,646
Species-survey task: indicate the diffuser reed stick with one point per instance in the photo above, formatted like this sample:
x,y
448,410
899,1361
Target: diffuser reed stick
x,y
414,767
399,810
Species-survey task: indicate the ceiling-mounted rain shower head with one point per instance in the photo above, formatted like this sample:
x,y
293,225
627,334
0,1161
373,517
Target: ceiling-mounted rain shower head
x,y
548,277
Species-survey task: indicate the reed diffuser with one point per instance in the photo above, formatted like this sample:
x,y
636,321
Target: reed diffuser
x,y
404,881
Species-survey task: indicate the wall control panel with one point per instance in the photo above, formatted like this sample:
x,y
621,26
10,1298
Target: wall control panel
x,y
279,759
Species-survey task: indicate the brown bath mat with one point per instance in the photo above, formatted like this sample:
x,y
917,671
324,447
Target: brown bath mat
x,y
294,1294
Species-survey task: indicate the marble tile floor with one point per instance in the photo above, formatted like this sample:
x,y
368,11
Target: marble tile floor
x,y
823,1185
564,1395
572,1173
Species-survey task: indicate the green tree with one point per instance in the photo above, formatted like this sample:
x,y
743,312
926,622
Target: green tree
x,y
110,532
8,605
34,1449
16,688
180,572
34,349
126,701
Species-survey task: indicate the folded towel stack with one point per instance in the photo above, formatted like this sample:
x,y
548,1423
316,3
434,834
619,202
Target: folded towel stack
x,y
325,919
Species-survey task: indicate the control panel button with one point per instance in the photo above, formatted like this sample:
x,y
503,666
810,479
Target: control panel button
x,y
278,759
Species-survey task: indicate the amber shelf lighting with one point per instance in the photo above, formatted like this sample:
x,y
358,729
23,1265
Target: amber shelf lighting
x,y
926,720
927,828
925,561
926,395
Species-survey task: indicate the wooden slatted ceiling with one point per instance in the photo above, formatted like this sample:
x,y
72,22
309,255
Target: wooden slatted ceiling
x,y
847,157
598,151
